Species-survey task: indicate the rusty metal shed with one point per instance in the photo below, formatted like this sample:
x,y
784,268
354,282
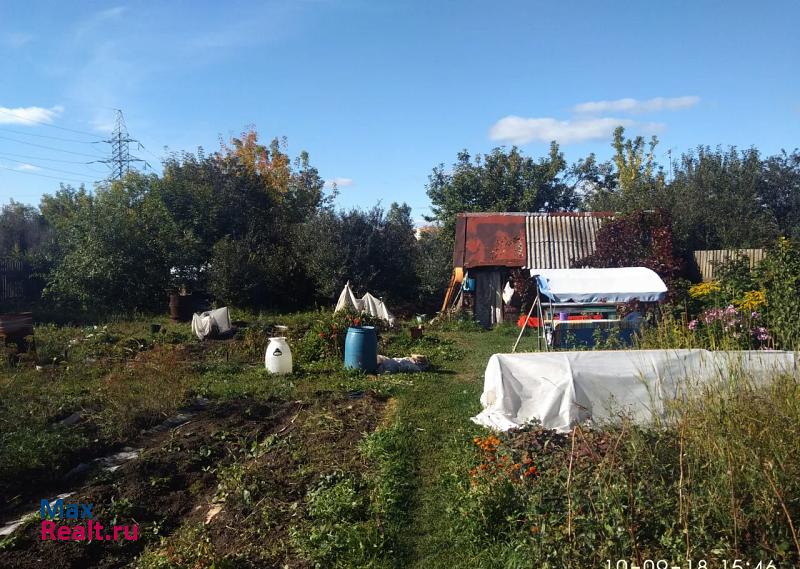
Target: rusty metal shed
x,y
489,245
530,240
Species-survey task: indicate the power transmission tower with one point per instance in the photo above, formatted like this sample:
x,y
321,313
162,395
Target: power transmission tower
x,y
121,158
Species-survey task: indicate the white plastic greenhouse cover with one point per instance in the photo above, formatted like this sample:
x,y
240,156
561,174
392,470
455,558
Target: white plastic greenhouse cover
x,y
600,285
561,389
367,303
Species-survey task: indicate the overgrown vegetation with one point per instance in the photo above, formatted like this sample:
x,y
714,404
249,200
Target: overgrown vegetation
x,y
743,308
717,483
333,469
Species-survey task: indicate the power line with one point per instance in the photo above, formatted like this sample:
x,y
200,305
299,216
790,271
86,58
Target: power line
x,y
150,153
42,175
16,116
45,168
99,140
49,147
43,158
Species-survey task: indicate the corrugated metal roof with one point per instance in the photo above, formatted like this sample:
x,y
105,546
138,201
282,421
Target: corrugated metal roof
x,y
536,240
707,259
555,240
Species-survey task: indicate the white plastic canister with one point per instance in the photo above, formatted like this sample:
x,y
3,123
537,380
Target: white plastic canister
x,y
278,358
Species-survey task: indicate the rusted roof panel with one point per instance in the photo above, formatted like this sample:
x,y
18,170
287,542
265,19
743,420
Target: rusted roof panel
x,y
495,240
534,240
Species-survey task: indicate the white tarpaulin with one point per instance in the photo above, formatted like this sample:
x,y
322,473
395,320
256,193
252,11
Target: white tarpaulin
x,y
600,285
367,303
212,322
561,389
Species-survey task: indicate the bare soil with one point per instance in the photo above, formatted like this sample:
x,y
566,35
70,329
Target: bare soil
x,y
277,449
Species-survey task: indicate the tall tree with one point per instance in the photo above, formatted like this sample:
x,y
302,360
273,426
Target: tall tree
x,y
375,250
22,230
779,190
503,180
716,203
117,246
636,182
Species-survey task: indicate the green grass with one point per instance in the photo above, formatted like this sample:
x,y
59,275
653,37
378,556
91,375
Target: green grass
x,y
437,413
721,481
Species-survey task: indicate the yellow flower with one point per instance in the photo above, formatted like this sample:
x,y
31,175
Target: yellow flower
x,y
751,300
703,289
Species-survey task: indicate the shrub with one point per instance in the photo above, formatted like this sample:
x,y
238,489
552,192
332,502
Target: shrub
x,y
325,337
780,275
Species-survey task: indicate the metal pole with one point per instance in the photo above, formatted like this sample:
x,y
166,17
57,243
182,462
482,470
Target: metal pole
x,y
525,324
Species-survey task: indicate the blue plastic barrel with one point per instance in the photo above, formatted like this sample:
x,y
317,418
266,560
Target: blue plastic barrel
x,y
361,348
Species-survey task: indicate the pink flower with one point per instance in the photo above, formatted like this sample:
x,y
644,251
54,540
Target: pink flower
x,y
693,325
762,334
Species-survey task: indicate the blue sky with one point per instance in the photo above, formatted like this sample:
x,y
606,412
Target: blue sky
x,y
380,92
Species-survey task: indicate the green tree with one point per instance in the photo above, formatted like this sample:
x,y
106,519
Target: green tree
x,y
374,249
503,180
434,262
636,182
248,200
779,190
23,230
716,203
116,246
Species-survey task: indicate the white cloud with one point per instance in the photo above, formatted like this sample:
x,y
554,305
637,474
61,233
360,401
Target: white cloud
x,y
521,130
111,13
95,20
27,168
16,40
29,115
340,182
635,106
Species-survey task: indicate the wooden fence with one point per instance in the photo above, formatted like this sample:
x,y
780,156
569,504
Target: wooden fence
x,y
14,275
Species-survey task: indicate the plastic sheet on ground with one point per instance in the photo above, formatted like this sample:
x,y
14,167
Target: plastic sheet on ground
x,y
561,389
410,364
213,322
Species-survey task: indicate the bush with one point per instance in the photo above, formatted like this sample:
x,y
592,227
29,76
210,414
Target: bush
x,y
780,275
324,338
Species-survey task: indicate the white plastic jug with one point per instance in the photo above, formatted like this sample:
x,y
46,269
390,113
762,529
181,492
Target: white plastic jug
x,y
278,358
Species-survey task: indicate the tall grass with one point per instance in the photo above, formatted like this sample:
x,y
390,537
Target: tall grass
x,y
719,480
